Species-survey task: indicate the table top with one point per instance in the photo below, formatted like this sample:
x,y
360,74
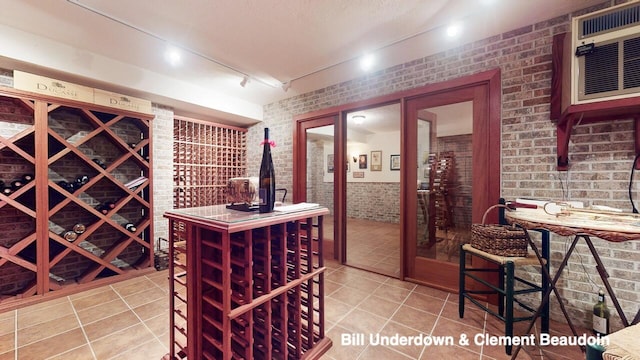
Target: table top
x,y
218,216
615,228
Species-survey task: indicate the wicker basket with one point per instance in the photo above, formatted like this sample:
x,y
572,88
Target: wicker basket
x,y
502,240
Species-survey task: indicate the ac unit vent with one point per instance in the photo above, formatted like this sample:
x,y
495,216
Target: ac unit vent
x,y
610,21
601,70
632,63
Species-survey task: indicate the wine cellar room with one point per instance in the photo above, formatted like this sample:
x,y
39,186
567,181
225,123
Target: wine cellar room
x,y
224,198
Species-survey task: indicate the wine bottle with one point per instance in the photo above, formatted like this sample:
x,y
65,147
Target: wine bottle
x,y
130,227
267,180
82,179
100,163
6,190
106,206
16,184
601,316
70,236
79,228
27,178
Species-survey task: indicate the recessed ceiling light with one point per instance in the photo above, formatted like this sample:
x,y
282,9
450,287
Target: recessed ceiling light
x,y
454,30
366,62
358,119
173,56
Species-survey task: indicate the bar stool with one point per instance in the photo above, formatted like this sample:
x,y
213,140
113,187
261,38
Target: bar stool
x,y
509,286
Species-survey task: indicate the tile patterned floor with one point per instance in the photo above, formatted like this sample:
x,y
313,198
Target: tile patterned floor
x,y
129,320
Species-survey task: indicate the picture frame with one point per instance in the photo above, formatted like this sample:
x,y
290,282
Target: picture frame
x,y
330,167
394,162
348,167
358,174
376,160
362,161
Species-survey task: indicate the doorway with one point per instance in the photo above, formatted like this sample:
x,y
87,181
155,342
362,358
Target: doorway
x,y
482,92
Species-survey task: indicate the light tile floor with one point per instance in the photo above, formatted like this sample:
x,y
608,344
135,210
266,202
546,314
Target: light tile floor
x,y
129,320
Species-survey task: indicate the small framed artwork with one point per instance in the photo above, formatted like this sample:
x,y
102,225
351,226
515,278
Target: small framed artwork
x,y
376,160
347,167
395,162
362,161
330,163
358,174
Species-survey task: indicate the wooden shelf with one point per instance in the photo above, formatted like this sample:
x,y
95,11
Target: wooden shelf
x,y
567,116
628,108
57,141
255,286
205,156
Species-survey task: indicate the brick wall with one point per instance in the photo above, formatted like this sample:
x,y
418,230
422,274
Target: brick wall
x,y
601,154
162,169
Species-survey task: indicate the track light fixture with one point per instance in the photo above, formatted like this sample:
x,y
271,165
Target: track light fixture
x,y
244,81
286,86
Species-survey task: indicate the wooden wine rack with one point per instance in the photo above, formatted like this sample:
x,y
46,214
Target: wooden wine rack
x,y
205,156
58,140
252,286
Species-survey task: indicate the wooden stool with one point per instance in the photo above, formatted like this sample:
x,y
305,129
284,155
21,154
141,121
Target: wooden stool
x,y
506,287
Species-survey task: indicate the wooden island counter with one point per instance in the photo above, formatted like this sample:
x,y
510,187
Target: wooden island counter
x,y
246,285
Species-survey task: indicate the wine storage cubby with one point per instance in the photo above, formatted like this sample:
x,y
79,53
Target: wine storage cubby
x,y
254,284
205,156
62,161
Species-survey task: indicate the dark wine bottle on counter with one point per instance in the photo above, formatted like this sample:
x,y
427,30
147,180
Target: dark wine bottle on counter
x,y
79,228
70,236
27,178
267,180
130,227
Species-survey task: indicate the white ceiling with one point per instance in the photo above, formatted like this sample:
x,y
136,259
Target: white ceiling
x,y
118,45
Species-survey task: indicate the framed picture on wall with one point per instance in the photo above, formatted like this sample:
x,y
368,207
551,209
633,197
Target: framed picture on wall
x,y
358,174
395,162
376,160
330,163
348,167
362,161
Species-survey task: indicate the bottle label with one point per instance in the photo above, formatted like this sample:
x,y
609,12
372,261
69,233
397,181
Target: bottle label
x,y
599,324
262,194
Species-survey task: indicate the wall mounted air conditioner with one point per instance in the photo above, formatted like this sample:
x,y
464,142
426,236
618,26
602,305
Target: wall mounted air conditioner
x,y
603,56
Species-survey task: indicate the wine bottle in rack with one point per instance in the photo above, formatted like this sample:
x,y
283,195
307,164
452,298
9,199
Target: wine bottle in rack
x,y
27,178
82,179
6,190
16,184
70,236
106,206
100,163
79,228
130,227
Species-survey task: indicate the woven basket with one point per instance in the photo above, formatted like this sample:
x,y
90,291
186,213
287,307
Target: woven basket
x,y
501,240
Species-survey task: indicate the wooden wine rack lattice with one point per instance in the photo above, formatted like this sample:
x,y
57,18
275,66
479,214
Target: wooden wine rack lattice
x,y
59,141
250,289
205,157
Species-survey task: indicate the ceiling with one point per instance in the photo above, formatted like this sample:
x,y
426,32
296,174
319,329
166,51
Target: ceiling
x,y
119,45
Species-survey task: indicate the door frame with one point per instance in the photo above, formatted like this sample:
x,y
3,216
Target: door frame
x,y
486,147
